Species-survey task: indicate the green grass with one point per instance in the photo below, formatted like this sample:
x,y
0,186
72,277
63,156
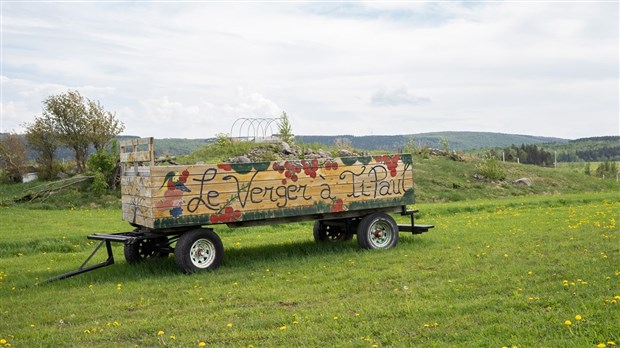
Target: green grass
x,y
443,180
492,273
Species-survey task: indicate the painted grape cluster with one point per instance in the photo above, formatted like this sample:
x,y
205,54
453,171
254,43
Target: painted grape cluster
x,y
390,162
331,165
310,168
227,215
290,170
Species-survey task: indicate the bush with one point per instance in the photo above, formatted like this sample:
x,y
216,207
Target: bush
x,y
490,168
99,185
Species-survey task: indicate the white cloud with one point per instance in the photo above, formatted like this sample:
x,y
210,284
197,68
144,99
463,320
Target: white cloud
x,y
396,96
173,118
175,69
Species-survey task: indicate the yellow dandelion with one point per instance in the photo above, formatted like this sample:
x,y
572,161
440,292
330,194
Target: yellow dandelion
x,y
173,337
335,317
229,325
2,341
578,317
617,297
283,327
568,323
295,322
202,344
611,343
160,333
601,345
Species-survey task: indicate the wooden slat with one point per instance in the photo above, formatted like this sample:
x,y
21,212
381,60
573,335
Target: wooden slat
x,y
138,156
137,150
192,194
137,141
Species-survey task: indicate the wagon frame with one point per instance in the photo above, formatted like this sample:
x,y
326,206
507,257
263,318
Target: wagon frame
x,y
164,223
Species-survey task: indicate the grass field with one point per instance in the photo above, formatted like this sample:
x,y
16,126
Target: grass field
x,y
539,271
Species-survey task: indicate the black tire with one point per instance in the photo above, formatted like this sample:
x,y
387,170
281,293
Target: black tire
x,y
198,250
377,231
144,249
329,233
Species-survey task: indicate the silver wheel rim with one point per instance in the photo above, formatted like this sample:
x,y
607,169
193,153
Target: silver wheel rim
x,y
380,233
202,253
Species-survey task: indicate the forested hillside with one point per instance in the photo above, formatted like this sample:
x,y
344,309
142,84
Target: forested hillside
x,y
587,149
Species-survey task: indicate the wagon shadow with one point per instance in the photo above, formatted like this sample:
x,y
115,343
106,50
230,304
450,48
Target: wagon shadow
x,y
249,257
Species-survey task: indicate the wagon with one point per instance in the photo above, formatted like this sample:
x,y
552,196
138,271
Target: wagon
x,y
175,209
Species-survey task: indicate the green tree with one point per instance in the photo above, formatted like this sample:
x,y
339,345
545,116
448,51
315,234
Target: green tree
x,y
104,125
285,129
42,138
410,146
445,145
13,157
80,122
68,113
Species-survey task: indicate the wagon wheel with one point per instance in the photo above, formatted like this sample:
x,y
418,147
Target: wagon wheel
x,y
377,231
329,233
146,249
197,250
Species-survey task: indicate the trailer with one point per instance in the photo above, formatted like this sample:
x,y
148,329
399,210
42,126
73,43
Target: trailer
x,y
175,209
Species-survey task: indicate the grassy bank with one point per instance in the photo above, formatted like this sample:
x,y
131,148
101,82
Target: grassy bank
x,y
540,270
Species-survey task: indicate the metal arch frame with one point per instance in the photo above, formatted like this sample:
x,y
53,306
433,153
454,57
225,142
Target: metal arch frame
x,y
255,125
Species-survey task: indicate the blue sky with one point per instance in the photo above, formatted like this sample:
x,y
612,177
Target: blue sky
x,y
189,69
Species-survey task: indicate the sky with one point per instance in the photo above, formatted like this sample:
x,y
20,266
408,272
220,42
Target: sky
x,y
190,69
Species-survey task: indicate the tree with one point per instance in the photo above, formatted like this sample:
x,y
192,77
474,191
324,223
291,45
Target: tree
x,y
42,138
104,125
80,122
13,157
285,130
445,145
68,113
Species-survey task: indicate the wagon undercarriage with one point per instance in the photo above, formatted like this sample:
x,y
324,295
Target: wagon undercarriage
x,y
197,248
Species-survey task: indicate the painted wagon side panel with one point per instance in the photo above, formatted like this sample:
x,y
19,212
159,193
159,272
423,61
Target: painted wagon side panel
x,y
174,196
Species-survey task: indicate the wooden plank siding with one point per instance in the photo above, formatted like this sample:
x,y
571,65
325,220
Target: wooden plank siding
x,y
175,196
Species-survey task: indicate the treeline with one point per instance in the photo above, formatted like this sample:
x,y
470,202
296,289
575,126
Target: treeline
x,y
607,153
527,154
597,149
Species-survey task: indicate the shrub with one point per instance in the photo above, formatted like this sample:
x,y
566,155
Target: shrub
x,y
490,168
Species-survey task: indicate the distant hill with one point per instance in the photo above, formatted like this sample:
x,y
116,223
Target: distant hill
x,y
456,140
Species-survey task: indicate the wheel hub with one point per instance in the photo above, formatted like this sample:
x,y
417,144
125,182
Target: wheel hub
x,y
202,253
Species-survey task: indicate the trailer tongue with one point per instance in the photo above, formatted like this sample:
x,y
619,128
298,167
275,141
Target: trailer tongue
x,y
168,205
